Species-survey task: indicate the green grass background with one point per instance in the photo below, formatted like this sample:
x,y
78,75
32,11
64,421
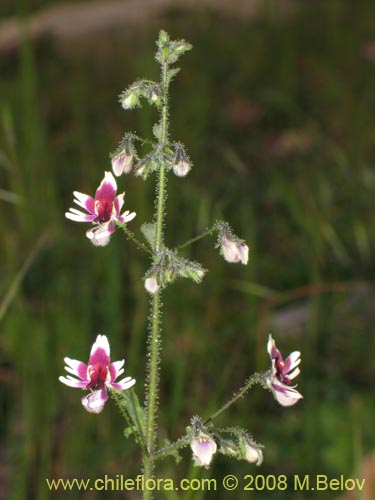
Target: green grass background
x,y
278,117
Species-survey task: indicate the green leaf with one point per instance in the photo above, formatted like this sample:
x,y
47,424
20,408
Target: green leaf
x,y
148,230
128,431
156,129
172,73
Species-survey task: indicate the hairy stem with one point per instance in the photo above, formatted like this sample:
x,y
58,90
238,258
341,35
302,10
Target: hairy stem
x,y
205,233
154,342
131,236
137,433
256,378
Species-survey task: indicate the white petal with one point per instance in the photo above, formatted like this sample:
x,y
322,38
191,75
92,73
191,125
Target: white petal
x,y
73,363
108,177
203,448
243,251
81,199
80,217
118,367
101,342
294,359
287,398
95,401
151,284
123,384
294,373
100,235
72,382
127,216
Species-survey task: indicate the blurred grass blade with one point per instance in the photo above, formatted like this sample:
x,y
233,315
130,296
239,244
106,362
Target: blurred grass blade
x,y
10,197
255,289
334,241
9,296
362,240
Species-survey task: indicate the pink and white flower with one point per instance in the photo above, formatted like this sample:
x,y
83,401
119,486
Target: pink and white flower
x,y
97,375
103,210
203,448
282,373
122,163
152,284
181,168
253,454
234,251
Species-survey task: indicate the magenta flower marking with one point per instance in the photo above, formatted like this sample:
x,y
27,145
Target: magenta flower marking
x,y
103,210
282,374
97,375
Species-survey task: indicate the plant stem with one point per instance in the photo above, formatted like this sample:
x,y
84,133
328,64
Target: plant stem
x,y
205,233
154,343
129,422
256,378
131,236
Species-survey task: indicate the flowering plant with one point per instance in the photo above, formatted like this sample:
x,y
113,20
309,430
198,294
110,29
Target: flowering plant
x,y
166,265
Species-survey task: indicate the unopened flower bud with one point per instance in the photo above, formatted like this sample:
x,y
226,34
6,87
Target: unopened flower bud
x,y
155,96
181,47
163,37
140,169
130,100
122,163
234,251
228,448
181,168
151,284
169,275
253,454
203,447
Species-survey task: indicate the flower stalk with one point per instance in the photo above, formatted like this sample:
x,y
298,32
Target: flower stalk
x,y
156,304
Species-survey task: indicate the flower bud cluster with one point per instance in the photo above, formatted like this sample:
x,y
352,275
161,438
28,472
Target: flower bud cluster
x,y
170,266
160,155
206,441
170,50
131,97
241,447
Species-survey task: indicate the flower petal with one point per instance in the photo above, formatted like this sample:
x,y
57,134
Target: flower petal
x,y
294,373
123,384
118,203
292,361
272,349
203,449
101,233
100,351
76,367
107,188
72,382
95,401
243,251
78,216
116,369
85,201
126,216
287,398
